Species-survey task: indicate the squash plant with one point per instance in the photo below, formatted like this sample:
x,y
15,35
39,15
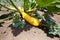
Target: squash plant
x,y
27,13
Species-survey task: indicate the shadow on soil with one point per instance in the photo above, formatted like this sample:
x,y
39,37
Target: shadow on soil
x,y
6,15
1,24
17,31
45,29
2,17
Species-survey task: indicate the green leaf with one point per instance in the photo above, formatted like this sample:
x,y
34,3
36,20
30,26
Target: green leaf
x,y
53,9
53,27
44,3
17,21
26,5
29,4
21,3
39,16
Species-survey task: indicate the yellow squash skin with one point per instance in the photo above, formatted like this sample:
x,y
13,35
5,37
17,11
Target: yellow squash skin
x,y
33,21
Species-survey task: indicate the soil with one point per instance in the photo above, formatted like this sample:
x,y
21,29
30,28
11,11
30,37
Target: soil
x,y
8,32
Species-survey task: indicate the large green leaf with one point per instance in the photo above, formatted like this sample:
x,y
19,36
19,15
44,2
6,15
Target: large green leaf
x,y
44,3
53,9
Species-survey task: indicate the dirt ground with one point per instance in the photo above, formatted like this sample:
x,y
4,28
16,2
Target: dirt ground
x,y
8,32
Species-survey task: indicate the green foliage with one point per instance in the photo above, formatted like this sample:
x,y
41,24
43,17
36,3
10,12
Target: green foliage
x,y
50,5
53,27
29,4
39,16
22,3
53,9
44,3
18,22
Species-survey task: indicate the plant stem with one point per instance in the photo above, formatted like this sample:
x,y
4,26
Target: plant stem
x,y
6,7
8,2
2,20
15,6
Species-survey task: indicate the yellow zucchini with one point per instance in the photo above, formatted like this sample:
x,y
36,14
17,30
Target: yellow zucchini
x,y
33,21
